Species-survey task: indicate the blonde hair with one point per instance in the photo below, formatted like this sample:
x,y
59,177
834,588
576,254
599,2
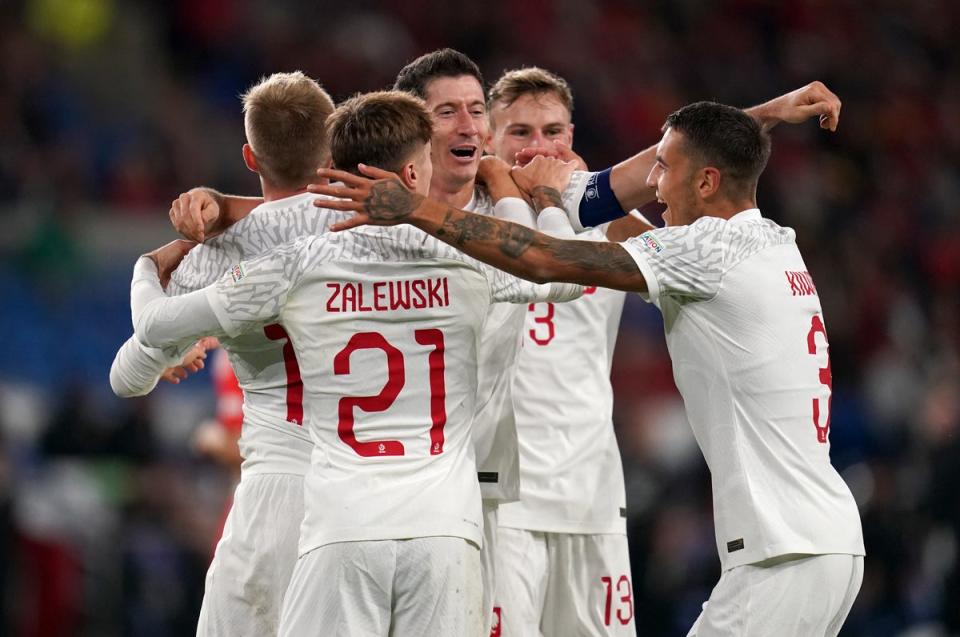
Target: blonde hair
x,y
285,118
531,80
381,129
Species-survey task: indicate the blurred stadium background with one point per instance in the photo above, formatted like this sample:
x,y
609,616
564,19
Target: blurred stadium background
x,y
109,108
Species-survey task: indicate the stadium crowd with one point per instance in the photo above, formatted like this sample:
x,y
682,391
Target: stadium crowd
x,y
107,515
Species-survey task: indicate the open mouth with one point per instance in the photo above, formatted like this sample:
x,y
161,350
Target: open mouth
x,y
464,153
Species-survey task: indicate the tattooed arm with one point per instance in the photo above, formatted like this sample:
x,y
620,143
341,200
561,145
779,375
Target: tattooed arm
x,y
508,246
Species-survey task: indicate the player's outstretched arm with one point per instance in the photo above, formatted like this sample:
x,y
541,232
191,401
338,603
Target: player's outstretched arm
x,y
202,213
628,179
523,252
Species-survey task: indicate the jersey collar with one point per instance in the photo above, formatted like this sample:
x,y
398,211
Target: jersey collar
x,y
750,214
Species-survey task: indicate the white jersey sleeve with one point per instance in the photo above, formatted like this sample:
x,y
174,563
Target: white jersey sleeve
x,y
554,222
580,182
136,369
681,261
161,321
253,293
516,210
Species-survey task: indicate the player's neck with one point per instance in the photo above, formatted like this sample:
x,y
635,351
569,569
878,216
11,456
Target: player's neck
x,y
729,208
457,195
274,193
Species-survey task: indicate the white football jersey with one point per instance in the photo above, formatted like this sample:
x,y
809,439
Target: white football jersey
x,y
272,439
571,476
385,323
750,356
495,432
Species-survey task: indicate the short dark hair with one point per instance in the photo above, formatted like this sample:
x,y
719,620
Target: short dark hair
x,y
414,77
380,129
727,138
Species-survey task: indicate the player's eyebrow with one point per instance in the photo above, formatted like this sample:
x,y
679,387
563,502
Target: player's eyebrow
x,y
456,104
659,160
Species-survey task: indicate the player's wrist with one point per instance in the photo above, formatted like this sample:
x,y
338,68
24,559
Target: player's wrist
x,y
767,114
426,212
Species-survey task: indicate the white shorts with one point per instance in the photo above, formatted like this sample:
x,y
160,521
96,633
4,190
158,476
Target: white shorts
x,y
254,559
558,584
805,597
426,587
488,554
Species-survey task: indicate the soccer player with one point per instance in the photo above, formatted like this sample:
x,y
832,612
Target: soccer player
x,y
452,86
562,556
747,339
386,324
284,119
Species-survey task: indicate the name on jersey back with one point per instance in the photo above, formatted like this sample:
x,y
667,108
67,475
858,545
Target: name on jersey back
x,y
388,296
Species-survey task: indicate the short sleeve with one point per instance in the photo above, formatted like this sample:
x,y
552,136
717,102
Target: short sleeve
x,y
682,262
253,293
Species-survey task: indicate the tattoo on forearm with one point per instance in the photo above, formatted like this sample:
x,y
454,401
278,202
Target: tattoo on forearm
x,y
515,239
591,255
545,196
388,201
511,238
580,258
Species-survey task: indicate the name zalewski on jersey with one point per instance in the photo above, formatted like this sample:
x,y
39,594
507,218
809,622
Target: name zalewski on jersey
x,y
389,394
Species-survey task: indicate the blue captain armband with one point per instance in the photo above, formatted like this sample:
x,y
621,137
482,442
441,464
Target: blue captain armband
x,y
599,204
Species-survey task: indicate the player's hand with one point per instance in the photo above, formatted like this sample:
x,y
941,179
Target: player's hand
x,y
192,361
495,174
492,168
557,149
379,198
812,100
526,155
194,213
543,179
169,257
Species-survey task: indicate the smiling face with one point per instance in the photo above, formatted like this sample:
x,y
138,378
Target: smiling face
x,y
675,177
460,129
534,120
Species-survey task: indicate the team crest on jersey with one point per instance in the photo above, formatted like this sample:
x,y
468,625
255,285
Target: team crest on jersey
x,y
651,242
238,272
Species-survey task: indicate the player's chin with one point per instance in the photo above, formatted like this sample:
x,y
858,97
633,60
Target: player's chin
x,y
464,170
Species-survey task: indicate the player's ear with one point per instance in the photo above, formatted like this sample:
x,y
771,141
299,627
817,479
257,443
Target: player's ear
x,y
250,159
570,132
708,182
409,176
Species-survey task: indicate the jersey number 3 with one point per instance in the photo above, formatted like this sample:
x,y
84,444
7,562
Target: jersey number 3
x,y
396,378
816,327
544,336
